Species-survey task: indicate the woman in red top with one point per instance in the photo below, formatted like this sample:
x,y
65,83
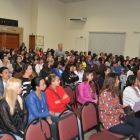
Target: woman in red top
x,y
111,109
56,97
41,53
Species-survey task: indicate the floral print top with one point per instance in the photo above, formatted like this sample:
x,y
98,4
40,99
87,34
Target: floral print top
x,y
109,109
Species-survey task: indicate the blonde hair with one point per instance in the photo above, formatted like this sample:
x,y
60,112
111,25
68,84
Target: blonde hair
x,y
11,94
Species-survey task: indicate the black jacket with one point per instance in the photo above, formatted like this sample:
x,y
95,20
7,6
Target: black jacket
x,y
69,77
45,73
18,68
15,123
1,87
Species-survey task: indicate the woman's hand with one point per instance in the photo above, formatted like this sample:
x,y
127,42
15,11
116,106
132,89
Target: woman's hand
x,y
52,112
57,102
95,101
122,111
49,120
65,96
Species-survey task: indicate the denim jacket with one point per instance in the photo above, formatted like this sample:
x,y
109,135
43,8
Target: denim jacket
x,y
36,107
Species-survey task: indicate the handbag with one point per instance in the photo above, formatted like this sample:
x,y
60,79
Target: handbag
x,y
67,105
129,111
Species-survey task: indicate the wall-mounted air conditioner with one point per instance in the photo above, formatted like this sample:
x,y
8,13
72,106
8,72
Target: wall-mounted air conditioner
x,y
79,19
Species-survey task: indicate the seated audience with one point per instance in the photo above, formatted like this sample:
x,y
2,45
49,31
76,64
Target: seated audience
x,y
114,67
79,71
56,97
110,110
39,66
37,51
101,79
83,62
119,67
31,53
58,69
69,77
4,76
13,110
86,89
37,106
89,62
12,56
26,80
35,60
26,59
108,61
18,65
95,59
41,53
6,63
46,70
123,79
131,93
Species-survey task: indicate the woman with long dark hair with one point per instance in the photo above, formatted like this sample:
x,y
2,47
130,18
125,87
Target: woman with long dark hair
x,y
18,65
86,90
111,110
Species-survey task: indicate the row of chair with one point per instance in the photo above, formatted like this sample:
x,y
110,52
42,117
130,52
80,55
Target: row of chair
x,y
67,126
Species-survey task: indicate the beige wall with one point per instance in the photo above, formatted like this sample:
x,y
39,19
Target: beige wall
x,y
51,14
104,15
17,10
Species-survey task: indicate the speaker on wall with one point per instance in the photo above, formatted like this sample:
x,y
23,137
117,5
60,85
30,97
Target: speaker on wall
x,y
8,22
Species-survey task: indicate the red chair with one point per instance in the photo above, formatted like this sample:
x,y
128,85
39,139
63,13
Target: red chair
x,y
67,126
88,118
94,76
17,75
101,67
38,129
95,68
89,68
69,91
6,136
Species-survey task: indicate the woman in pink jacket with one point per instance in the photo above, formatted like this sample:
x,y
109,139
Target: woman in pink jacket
x,y
86,89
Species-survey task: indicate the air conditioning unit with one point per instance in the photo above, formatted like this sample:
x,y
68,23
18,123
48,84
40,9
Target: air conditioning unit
x,y
84,19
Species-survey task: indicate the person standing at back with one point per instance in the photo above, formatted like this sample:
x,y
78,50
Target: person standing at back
x,y
60,52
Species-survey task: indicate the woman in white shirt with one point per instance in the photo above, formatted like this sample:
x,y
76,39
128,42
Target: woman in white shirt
x,y
39,66
79,71
131,94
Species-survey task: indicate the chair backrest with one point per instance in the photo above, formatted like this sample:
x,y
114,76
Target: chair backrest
x,y
94,76
95,67
17,75
88,116
67,126
34,132
89,68
101,67
6,136
69,91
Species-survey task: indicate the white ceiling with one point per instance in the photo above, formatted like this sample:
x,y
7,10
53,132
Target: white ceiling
x,y
68,1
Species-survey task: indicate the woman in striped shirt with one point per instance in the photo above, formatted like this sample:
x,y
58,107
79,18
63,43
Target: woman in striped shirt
x,y
26,79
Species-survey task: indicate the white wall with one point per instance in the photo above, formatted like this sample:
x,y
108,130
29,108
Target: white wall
x,y
104,15
17,10
51,14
